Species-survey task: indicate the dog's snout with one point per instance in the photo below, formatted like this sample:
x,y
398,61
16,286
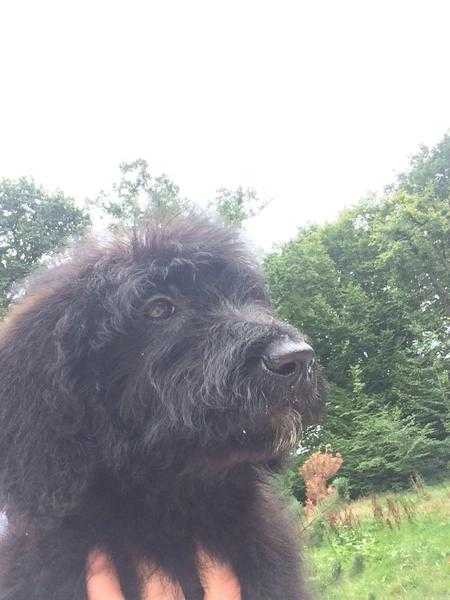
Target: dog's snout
x,y
287,357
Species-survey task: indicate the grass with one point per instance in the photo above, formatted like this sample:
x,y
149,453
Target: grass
x,y
403,555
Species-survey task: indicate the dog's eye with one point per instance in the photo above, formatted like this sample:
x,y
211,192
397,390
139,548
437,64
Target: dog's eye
x,y
159,308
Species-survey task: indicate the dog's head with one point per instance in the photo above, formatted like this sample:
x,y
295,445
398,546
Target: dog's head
x,y
161,343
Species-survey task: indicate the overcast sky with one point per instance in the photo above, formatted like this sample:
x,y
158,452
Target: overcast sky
x,y
313,103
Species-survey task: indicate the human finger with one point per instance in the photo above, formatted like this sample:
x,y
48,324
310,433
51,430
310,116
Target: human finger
x,y
218,580
101,581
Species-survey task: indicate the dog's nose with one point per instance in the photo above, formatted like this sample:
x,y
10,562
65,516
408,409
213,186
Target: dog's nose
x,y
287,357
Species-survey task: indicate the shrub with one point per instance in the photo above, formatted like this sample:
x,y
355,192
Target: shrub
x,y
357,566
380,448
319,467
342,487
336,570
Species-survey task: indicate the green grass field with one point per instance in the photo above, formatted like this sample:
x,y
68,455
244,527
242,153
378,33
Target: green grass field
x,y
403,553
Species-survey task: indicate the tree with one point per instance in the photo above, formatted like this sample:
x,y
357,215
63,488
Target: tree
x,y
421,384
429,172
139,196
380,446
238,205
33,223
307,290
412,236
372,291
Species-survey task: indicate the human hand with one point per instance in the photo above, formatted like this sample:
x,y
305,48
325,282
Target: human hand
x,y
218,581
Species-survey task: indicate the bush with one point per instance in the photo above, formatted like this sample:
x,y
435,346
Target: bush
x,y
316,470
290,483
357,566
342,487
380,448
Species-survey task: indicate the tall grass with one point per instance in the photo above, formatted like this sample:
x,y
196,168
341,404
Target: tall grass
x,y
382,547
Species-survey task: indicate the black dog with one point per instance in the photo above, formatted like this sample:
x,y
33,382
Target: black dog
x,y
146,394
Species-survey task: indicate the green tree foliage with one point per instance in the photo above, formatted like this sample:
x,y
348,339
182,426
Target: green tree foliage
x,y
430,171
380,446
422,392
310,290
33,224
139,196
372,290
412,237
235,206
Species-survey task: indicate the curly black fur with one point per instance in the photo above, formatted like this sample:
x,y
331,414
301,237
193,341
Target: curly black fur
x,y
147,438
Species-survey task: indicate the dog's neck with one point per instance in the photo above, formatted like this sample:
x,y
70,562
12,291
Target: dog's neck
x,y
151,495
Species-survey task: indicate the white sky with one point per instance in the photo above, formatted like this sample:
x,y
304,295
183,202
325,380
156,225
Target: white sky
x,y
313,103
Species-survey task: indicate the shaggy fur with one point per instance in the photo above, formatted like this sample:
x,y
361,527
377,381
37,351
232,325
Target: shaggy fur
x,y
147,438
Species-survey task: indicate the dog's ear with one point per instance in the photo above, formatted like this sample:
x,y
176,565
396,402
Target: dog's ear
x,y
46,452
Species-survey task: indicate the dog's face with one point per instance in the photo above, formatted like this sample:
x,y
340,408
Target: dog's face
x,y
188,353
161,347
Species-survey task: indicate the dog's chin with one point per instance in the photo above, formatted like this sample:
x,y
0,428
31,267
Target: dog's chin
x,y
224,462
265,443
